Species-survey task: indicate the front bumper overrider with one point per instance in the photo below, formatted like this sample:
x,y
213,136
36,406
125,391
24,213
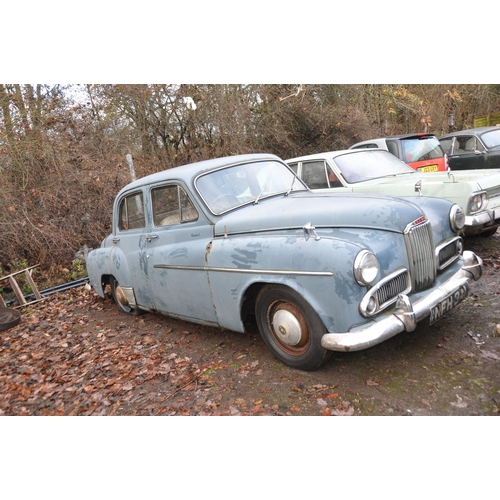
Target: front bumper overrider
x,y
406,315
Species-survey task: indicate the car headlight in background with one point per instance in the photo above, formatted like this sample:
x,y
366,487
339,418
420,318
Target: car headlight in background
x,y
366,268
457,218
478,201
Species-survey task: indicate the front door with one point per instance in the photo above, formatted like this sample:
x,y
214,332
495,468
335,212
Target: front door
x,y
467,154
176,251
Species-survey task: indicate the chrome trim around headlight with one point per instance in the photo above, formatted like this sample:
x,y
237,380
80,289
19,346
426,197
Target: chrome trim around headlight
x,y
457,218
366,268
478,201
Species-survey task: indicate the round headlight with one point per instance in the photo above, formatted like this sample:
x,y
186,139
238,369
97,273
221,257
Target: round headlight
x,y
366,267
457,218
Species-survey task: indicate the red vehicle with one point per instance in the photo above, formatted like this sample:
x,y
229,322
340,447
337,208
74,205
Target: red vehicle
x,y
422,152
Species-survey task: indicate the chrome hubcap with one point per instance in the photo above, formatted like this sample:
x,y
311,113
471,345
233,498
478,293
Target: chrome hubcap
x,y
121,296
287,328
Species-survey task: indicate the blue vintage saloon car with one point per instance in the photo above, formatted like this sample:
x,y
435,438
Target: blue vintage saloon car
x,y
225,241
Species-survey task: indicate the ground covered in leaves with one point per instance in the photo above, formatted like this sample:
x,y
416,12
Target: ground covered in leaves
x,y
75,354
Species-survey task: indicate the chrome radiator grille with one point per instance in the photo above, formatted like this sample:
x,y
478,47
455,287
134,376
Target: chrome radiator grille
x,y
420,248
448,252
389,290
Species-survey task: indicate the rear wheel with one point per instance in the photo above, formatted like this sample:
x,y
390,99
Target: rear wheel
x,y
291,328
121,299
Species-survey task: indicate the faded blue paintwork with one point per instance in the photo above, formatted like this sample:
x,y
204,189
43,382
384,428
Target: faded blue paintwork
x,y
202,270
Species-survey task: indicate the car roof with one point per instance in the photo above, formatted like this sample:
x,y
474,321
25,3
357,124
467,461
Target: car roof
x,y
188,172
409,136
334,154
397,137
471,131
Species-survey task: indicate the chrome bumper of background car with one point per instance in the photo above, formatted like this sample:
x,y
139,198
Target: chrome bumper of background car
x,y
407,315
481,218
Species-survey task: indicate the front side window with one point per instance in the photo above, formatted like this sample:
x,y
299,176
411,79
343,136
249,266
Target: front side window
x,y
464,144
171,205
131,212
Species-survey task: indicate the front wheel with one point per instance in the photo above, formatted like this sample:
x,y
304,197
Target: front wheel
x,y
487,234
291,328
121,300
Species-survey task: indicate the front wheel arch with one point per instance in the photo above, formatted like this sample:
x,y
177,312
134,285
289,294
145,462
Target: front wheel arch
x,y
290,327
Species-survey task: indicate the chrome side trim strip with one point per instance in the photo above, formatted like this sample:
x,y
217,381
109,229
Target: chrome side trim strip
x,y
244,271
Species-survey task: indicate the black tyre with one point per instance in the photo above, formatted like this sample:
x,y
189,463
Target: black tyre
x,y
487,234
290,328
9,318
121,300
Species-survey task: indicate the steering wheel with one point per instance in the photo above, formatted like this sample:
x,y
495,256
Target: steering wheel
x,y
231,201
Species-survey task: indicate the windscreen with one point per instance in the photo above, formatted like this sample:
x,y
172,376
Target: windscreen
x,y
364,165
426,148
230,187
491,139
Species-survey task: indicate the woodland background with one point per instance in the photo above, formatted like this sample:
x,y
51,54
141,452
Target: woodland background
x,y
63,147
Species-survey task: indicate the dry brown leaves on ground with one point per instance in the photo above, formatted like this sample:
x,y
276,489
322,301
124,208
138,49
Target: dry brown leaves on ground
x,y
74,354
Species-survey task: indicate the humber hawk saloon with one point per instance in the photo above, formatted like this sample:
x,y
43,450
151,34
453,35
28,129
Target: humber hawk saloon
x,y
230,240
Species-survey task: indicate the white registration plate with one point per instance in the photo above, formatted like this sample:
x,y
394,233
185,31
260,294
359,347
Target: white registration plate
x,y
448,303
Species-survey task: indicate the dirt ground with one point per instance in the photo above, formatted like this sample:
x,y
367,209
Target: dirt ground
x,y
75,354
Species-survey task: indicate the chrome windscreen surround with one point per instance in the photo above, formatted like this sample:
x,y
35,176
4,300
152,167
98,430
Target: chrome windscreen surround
x,y
448,252
385,292
421,257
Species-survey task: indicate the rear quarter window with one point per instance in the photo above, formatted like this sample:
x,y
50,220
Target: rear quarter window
x,y
131,212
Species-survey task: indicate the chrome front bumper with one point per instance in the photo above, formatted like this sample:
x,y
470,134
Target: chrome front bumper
x,y
474,224
407,315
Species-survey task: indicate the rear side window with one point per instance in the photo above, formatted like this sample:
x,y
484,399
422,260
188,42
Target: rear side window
x,y
446,145
392,147
171,206
366,146
131,212
314,174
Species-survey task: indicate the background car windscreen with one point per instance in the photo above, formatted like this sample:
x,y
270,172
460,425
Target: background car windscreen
x,y
491,139
421,149
370,164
